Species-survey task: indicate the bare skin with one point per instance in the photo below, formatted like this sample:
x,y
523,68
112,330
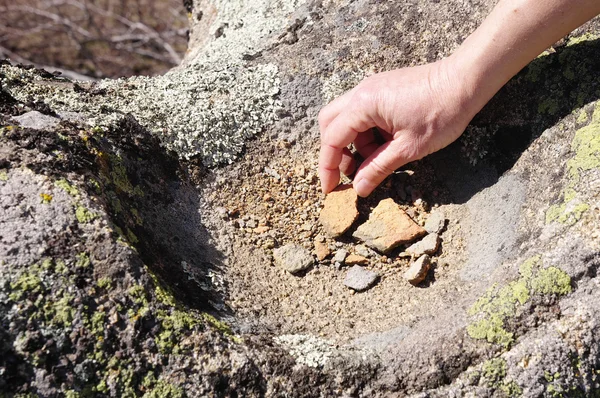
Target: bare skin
x,y
421,110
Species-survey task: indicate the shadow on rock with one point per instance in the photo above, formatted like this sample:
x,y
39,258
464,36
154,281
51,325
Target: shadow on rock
x,y
548,89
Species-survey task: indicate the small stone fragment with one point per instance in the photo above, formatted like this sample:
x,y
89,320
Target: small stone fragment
x,y
417,272
355,259
387,227
261,230
340,256
363,250
293,258
360,279
427,245
339,210
321,250
435,223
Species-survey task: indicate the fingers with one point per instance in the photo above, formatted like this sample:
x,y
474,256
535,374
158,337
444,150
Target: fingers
x,y
365,143
332,110
348,164
382,162
340,133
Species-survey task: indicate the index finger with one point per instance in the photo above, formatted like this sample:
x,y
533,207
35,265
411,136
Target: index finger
x,y
340,133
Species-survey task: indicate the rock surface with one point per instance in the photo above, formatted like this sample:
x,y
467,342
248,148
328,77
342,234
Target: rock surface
x,y
388,226
85,303
417,272
293,258
339,210
36,120
428,245
340,256
360,279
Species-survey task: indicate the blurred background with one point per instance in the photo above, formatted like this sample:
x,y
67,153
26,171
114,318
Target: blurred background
x,y
94,38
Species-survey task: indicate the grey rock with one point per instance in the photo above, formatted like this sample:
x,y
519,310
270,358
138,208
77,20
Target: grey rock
x,y
427,245
418,270
340,256
360,279
293,258
435,223
36,120
363,250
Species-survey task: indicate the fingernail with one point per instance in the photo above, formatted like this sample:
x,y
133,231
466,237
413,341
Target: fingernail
x,y
363,187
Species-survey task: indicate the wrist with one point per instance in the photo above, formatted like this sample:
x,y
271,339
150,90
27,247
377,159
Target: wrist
x,y
469,88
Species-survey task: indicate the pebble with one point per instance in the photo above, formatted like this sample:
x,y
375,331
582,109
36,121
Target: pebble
x,y
340,256
360,279
435,223
387,227
355,259
427,245
363,250
339,210
321,250
293,258
261,230
417,271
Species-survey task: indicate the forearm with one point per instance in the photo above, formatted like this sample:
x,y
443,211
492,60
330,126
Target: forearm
x,y
511,36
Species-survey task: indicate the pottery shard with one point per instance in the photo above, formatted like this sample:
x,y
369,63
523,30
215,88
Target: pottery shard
x,y
387,227
321,251
355,259
418,270
339,210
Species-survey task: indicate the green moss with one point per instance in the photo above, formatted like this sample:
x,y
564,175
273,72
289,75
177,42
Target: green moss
x,y
494,372
162,389
581,39
104,283
60,312
68,188
564,214
511,389
499,304
549,106
25,284
84,215
551,281
131,237
583,117
83,260
118,174
586,146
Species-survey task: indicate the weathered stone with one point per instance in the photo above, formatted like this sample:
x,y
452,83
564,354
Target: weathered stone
x,y
360,279
36,120
417,271
355,259
293,258
339,210
435,223
387,227
427,245
340,256
321,250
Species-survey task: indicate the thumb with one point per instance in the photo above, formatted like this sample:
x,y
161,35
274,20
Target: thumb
x,y
383,162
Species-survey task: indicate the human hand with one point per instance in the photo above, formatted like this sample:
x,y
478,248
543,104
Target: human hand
x,y
417,110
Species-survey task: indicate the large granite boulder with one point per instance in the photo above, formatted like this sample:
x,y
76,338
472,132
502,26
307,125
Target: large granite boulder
x,y
131,264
